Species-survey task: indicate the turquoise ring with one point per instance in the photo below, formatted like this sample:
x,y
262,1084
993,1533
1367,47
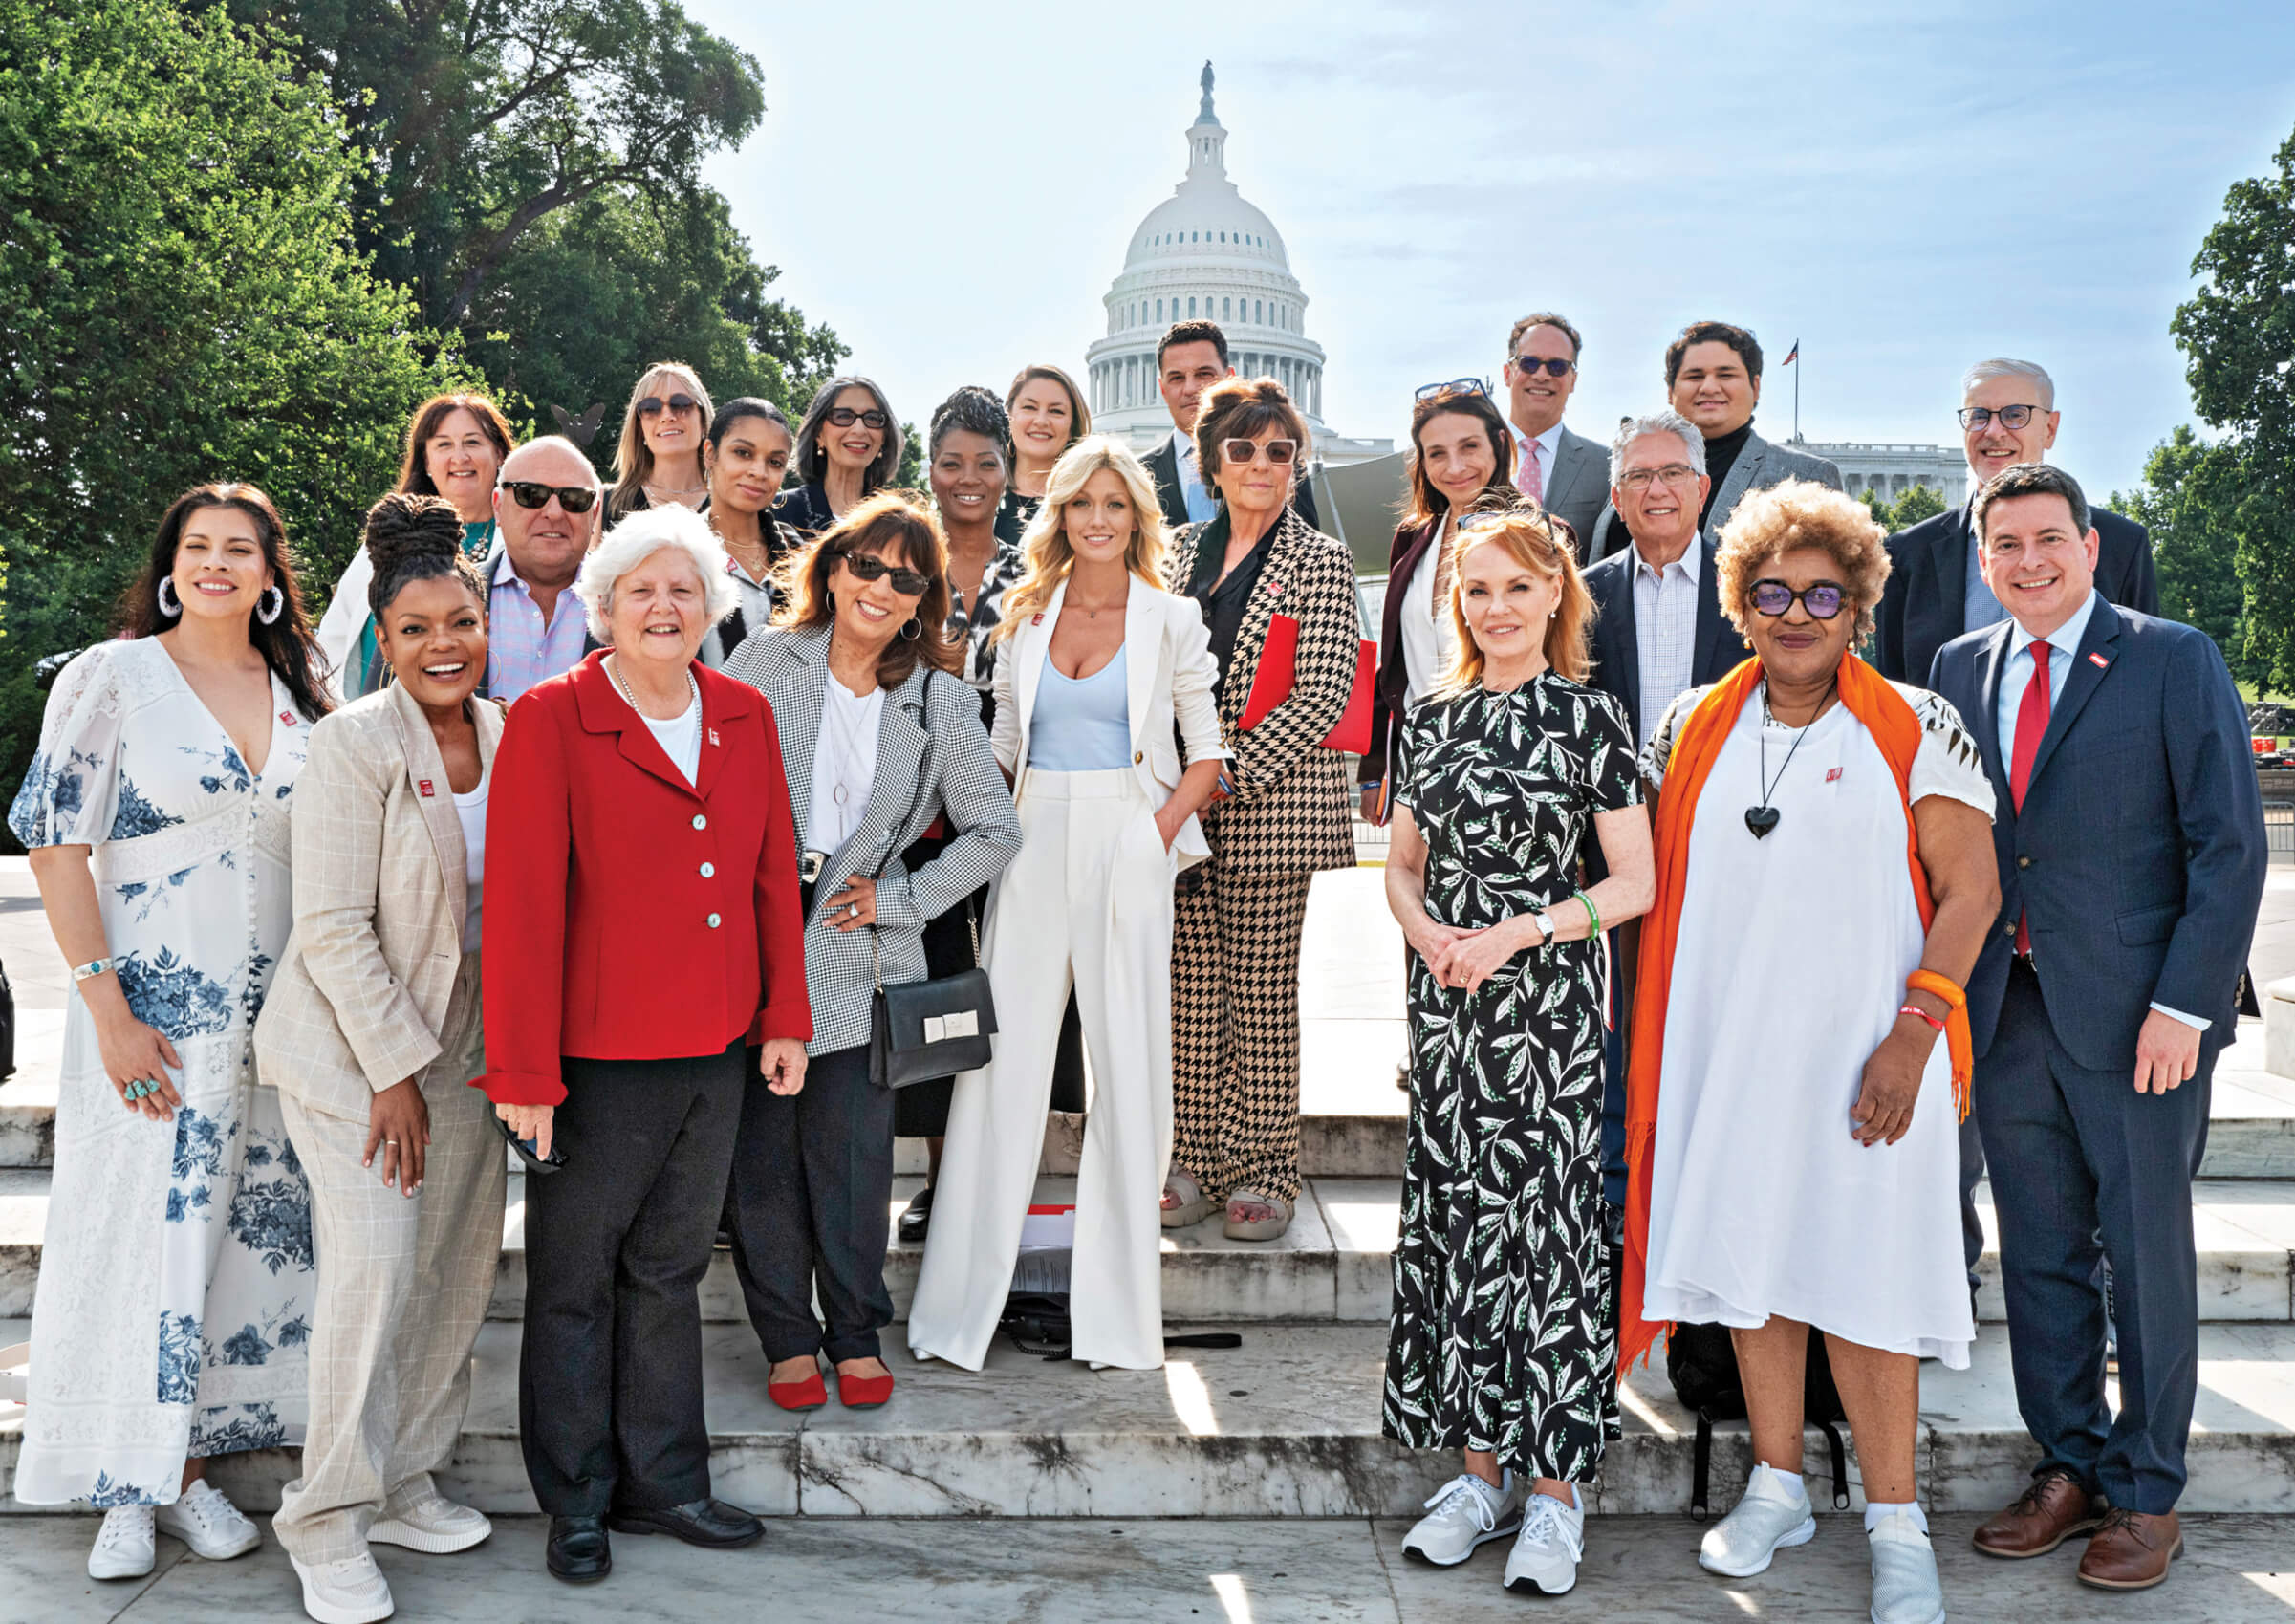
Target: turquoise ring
x,y
138,1089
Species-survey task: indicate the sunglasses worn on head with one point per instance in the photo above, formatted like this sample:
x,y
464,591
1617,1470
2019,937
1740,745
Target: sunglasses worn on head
x,y
845,417
1553,365
1457,386
533,493
1823,601
1980,417
867,566
1279,452
680,403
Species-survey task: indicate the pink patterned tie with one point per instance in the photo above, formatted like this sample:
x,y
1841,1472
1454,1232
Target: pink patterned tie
x,y
1527,478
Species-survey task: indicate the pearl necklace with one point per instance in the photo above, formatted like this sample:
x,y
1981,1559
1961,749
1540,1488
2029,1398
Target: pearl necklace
x,y
693,689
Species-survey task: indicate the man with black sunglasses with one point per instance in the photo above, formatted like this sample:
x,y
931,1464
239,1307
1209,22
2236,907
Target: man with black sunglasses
x,y
546,515
1565,473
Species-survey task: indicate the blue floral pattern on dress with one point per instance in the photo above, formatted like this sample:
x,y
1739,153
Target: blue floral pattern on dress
x,y
272,1220
180,1354
136,814
229,1428
232,778
174,996
108,1493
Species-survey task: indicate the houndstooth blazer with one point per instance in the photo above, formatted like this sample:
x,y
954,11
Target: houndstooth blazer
x,y
1289,813
932,754
379,894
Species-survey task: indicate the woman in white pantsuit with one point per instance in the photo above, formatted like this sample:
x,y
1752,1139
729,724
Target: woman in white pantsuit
x,y
1098,669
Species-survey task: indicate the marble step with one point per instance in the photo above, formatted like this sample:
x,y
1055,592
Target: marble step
x,y
1334,1262
1285,1425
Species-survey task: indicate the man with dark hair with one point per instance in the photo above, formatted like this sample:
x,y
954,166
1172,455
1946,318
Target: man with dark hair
x,y
1565,473
1191,357
2131,857
1713,377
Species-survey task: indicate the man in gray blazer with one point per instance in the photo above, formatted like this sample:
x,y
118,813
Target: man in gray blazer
x,y
1713,377
1566,473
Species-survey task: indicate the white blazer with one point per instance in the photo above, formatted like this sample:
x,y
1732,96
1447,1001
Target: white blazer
x,y
1169,673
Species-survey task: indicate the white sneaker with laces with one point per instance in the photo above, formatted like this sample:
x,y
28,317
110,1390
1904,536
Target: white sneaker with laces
x,y
212,1525
433,1523
349,1592
1547,1553
1773,1514
1905,1588
123,1549
1465,1513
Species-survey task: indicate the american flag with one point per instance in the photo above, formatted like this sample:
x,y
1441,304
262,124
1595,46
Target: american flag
x,y
1792,354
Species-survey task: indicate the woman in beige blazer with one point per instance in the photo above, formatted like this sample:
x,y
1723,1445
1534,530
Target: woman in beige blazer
x,y
372,1035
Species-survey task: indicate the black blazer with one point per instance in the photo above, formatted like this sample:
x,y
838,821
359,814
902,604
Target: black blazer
x,y
1163,466
1392,682
1717,649
1925,603
2138,857
804,508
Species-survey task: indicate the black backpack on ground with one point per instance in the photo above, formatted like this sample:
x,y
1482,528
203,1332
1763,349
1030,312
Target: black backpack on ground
x,y
1701,1361
1037,1323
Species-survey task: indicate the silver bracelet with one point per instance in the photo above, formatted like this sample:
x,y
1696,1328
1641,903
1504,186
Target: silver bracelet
x,y
93,967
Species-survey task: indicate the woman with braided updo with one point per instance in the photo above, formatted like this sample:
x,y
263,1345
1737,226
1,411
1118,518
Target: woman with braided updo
x,y
372,1035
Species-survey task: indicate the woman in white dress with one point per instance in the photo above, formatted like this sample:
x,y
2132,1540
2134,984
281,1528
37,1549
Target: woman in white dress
x,y
176,1285
1825,880
1095,665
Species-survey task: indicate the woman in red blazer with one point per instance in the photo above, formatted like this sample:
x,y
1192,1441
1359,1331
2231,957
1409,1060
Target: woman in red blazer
x,y
642,931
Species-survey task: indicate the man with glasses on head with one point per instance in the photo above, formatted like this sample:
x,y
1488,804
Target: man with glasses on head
x,y
1191,357
546,514
1565,473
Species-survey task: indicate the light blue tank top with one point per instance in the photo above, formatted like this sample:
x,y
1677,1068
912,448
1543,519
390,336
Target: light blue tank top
x,y
1082,726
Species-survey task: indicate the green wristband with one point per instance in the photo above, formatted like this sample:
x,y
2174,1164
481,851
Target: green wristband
x,y
1593,917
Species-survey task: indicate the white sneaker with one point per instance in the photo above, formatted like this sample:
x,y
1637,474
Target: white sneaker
x,y
212,1525
433,1523
124,1548
349,1592
1905,1589
1770,1517
1546,1554
1465,1513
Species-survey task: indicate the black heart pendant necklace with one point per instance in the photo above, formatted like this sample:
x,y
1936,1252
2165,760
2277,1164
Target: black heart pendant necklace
x,y
1762,818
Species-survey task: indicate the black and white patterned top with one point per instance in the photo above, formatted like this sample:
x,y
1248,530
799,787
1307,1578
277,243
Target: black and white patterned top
x,y
976,623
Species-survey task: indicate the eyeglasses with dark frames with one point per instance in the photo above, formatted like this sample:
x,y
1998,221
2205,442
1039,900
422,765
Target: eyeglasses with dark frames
x,y
653,405
1239,451
1823,600
1980,417
867,566
845,417
531,493
1554,366
1455,386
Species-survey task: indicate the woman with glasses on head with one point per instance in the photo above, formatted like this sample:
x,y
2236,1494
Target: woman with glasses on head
x,y
1462,457
1801,1058
848,448
745,457
658,460
1279,598
1048,415
882,740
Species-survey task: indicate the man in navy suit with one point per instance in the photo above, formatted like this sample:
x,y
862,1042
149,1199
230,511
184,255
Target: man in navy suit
x,y
2130,837
1191,357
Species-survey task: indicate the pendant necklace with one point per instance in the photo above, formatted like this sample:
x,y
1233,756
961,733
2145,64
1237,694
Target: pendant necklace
x,y
1762,818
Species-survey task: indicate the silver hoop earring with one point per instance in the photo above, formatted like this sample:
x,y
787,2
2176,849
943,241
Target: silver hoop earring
x,y
270,605
913,630
169,606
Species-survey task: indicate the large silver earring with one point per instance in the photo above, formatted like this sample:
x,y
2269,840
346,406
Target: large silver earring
x,y
169,606
271,606
913,630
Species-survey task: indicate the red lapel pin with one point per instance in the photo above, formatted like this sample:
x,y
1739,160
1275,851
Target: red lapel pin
x,y
1833,774
2099,662
423,785
1274,589
713,735
287,717
1037,619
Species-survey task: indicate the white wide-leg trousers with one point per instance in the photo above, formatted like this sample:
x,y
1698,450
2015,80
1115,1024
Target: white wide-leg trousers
x,y
1088,902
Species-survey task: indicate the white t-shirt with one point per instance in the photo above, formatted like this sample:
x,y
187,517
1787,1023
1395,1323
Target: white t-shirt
x,y
471,810
681,739
844,764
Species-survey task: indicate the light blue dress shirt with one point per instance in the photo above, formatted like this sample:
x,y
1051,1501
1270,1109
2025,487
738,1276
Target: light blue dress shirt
x,y
1192,490
2016,677
1082,724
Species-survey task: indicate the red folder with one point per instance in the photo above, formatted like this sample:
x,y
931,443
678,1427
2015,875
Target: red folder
x,y
1271,685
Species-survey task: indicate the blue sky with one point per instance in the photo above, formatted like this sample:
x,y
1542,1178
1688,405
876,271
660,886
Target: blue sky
x,y
1903,188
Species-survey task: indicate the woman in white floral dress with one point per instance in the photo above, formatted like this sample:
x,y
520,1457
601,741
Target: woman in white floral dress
x,y
176,1282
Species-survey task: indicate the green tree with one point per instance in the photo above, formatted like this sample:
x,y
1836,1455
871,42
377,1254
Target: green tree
x,y
2238,335
2190,502
1920,502
182,302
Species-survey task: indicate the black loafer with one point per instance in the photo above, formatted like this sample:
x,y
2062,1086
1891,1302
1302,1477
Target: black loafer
x,y
707,1523
916,1218
579,1551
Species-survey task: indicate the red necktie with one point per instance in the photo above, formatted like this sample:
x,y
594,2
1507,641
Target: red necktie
x,y
2031,723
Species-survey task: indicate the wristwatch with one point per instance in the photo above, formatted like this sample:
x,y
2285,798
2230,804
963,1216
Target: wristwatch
x,y
1545,922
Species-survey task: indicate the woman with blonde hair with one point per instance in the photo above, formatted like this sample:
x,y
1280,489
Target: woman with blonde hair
x,y
1097,669
1508,774
658,460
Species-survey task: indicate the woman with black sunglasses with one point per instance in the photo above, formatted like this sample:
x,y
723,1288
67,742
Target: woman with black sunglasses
x,y
848,448
658,460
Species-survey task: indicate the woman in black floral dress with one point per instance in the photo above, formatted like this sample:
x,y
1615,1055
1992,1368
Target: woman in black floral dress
x,y
1500,1343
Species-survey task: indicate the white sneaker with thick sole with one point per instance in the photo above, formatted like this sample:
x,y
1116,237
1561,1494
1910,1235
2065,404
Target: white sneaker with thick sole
x,y
212,1525
123,1549
1905,1588
1465,1513
1547,1553
1770,1517
349,1592
433,1524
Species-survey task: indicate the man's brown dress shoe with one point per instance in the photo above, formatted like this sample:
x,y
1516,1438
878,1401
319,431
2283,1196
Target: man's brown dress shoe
x,y
2131,1550
2047,1514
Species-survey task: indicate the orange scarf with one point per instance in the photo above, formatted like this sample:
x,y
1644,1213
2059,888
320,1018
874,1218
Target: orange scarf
x,y
1697,746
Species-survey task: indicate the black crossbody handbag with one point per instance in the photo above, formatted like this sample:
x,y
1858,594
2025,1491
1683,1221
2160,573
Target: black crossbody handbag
x,y
935,1027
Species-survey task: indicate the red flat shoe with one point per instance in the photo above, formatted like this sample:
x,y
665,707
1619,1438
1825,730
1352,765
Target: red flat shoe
x,y
863,1392
810,1394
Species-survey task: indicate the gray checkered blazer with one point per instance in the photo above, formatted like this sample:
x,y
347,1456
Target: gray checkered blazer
x,y
379,893
932,754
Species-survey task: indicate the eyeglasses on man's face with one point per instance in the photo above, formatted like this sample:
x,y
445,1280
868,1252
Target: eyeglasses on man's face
x,y
1554,366
1980,418
1675,476
533,493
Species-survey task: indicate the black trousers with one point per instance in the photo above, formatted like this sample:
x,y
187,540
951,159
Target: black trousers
x,y
617,1242
812,1178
